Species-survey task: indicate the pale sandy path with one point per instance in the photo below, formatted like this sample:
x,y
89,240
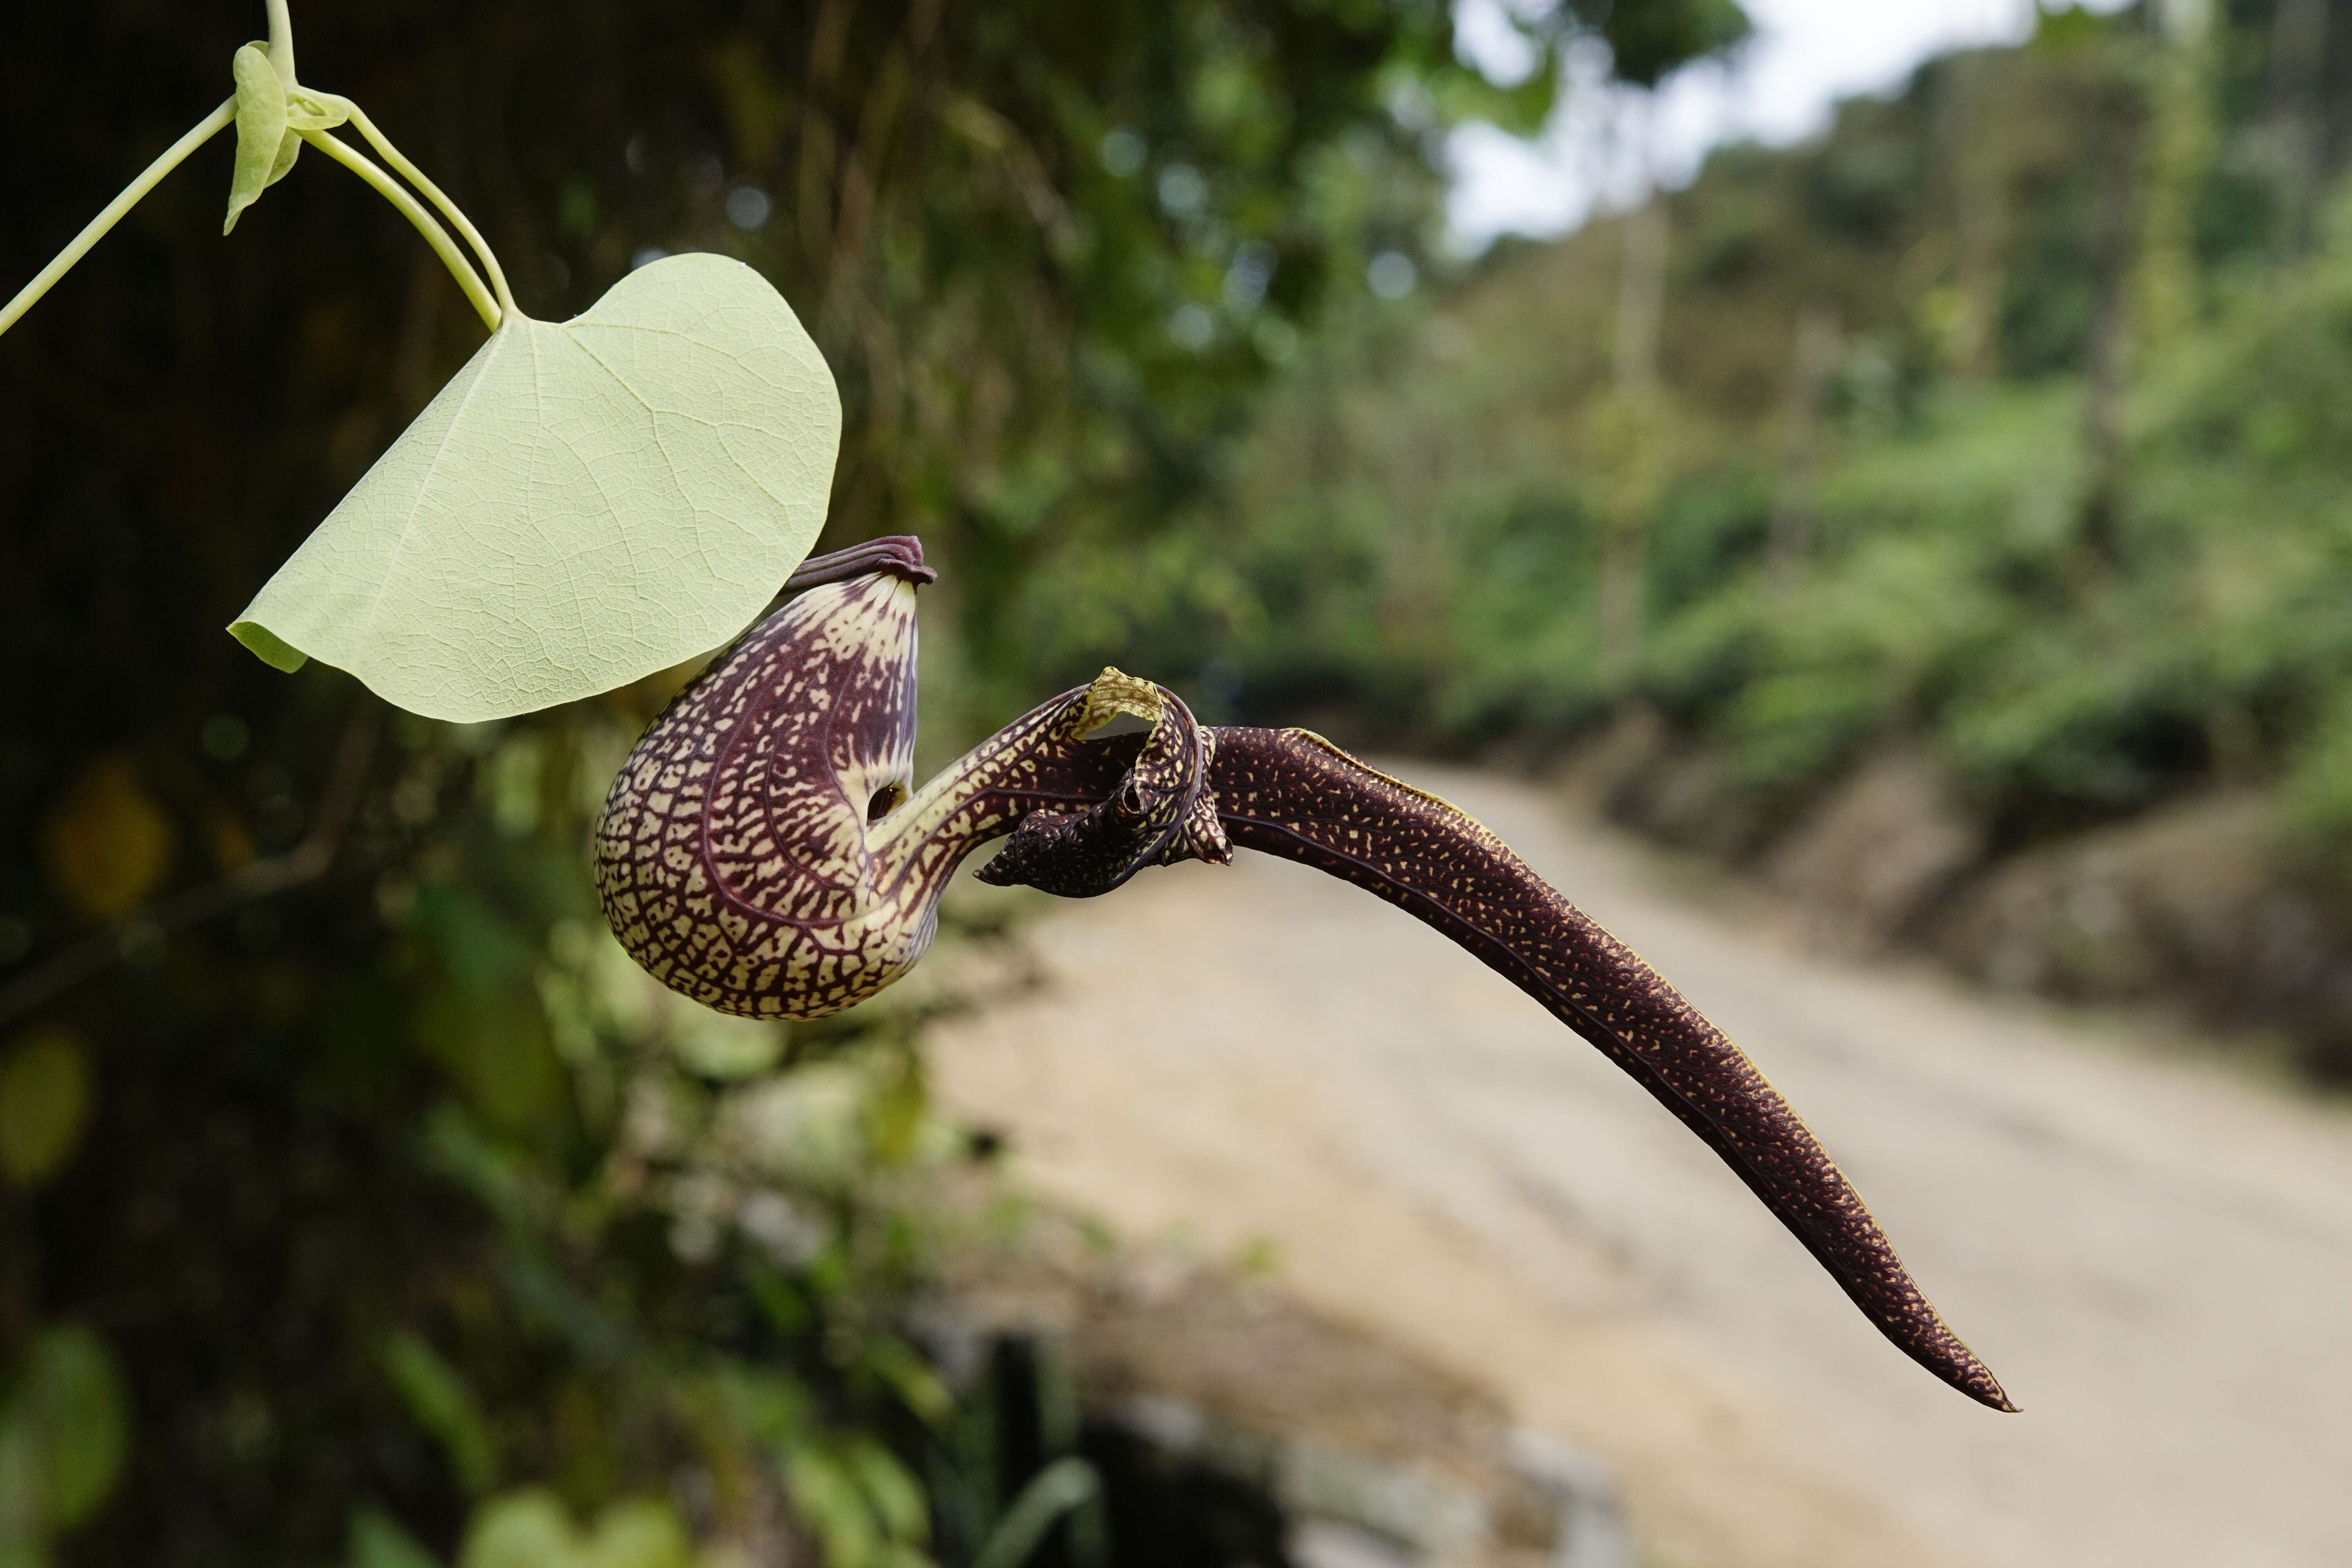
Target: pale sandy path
x,y
2155,1256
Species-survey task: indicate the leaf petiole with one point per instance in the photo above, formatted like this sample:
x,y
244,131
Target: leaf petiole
x,y
212,125
281,41
434,235
433,193
280,53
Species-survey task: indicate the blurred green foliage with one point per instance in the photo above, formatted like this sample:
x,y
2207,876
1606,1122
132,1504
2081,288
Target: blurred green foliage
x,y
358,1202
2062,508
62,1435
1406,542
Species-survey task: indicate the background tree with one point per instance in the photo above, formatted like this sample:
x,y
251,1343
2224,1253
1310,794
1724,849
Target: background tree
x,y
1955,610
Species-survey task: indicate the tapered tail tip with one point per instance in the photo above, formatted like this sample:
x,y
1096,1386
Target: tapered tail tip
x,y
1985,1391
1971,1377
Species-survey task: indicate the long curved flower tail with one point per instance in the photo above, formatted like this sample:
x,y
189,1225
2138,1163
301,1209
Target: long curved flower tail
x,y
1293,794
760,851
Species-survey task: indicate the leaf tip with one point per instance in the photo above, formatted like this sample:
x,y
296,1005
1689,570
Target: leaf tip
x,y
267,646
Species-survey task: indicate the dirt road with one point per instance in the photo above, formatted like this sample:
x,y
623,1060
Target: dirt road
x,y
2156,1256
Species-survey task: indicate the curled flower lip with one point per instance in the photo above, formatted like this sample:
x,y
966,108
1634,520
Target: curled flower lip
x,y
738,860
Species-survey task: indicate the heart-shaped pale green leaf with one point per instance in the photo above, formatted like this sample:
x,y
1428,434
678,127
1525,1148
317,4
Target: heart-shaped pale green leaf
x,y
582,505
265,147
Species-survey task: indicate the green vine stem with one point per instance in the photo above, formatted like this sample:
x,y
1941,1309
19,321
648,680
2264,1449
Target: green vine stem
x,y
434,235
492,310
281,41
212,125
416,176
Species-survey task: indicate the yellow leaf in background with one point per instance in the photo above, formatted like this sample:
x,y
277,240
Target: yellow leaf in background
x,y
44,1103
107,843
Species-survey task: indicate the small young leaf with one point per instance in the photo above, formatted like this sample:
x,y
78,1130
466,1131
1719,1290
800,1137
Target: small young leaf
x,y
288,146
107,844
582,505
265,150
307,112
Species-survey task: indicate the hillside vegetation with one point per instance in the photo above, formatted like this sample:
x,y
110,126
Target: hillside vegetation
x,y
1989,519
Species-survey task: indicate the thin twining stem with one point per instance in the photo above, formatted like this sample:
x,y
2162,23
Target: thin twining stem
x,y
434,235
281,41
416,176
212,124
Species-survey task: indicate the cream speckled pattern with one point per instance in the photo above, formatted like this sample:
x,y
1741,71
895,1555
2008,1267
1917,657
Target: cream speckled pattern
x,y
760,852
